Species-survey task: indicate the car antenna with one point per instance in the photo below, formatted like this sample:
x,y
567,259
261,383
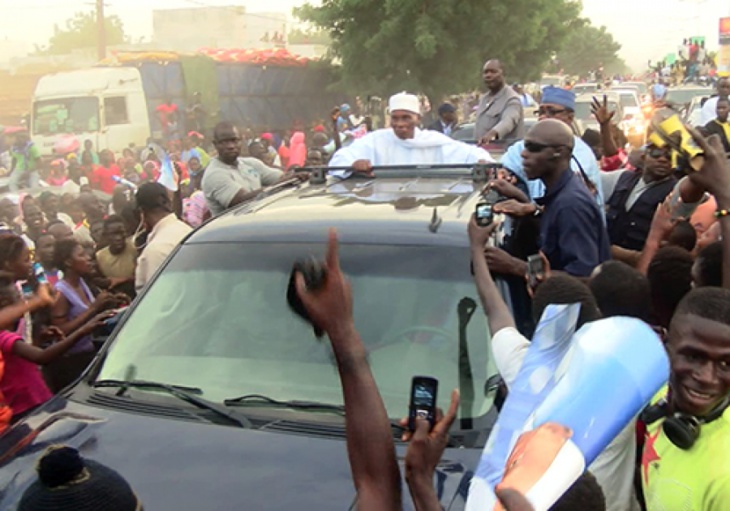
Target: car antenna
x,y
435,223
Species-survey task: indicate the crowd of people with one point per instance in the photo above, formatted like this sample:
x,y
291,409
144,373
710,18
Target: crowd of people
x,y
641,235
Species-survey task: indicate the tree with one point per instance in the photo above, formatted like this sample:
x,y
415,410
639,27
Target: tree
x,y
439,47
81,32
586,48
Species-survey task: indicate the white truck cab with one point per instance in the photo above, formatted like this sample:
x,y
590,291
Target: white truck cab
x,y
106,105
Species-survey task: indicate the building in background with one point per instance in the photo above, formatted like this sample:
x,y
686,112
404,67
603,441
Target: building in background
x,y
217,27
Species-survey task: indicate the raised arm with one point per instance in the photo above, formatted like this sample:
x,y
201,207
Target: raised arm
x,y
496,310
714,176
370,444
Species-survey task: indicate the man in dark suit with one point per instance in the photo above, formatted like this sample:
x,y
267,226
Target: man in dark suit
x,y
720,125
446,121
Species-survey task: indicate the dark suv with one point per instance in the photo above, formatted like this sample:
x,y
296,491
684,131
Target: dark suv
x,y
159,403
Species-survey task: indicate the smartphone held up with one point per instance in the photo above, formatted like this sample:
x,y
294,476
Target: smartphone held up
x,y
484,214
424,390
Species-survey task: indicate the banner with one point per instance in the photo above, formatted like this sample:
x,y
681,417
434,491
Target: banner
x,y
572,396
723,60
724,31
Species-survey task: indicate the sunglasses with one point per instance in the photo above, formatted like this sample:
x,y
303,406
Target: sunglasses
x,y
550,111
536,147
658,152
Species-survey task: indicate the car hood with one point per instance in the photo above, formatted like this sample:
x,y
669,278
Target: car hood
x,y
181,464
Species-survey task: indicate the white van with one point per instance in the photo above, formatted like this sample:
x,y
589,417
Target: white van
x,y
104,105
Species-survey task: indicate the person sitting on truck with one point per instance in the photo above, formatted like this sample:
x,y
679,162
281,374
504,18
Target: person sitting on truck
x,y
25,162
231,179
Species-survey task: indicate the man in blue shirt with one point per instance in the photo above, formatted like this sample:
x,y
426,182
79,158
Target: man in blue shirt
x,y
572,236
559,104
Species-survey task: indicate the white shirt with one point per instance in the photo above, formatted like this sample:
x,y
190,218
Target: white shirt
x,y
614,467
709,111
163,239
383,147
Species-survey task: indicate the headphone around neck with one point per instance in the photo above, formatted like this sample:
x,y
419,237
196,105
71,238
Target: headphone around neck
x,y
681,429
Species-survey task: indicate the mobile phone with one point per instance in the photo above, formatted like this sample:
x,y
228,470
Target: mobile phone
x,y
535,267
484,214
423,400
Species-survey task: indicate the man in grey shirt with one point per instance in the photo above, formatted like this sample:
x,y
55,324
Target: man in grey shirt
x,y
500,114
230,179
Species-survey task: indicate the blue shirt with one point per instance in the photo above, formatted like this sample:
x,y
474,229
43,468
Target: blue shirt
x,y
572,234
512,160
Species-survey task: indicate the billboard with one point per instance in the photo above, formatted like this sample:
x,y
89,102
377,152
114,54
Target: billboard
x,y
724,31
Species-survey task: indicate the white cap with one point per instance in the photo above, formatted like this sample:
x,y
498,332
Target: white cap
x,y
404,101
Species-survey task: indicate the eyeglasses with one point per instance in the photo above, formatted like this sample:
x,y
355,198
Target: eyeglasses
x,y
550,111
658,152
536,147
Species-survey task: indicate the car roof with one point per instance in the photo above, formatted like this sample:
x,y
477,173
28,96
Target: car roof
x,y
588,97
406,209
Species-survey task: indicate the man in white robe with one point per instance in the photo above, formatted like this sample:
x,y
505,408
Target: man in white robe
x,y
404,143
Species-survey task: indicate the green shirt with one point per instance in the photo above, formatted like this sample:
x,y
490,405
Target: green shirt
x,y
697,479
20,162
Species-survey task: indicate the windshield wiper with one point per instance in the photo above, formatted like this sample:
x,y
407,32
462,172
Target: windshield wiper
x,y
183,393
297,405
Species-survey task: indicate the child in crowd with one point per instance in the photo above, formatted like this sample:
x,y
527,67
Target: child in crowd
x,y
22,384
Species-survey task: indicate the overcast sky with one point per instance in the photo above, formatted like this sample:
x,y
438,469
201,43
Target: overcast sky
x,y
647,29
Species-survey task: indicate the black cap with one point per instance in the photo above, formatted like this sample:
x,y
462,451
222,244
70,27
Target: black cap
x,y
446,108
66,481
153,196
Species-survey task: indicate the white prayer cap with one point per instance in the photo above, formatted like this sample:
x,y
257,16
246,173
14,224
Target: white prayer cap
x,y
404,101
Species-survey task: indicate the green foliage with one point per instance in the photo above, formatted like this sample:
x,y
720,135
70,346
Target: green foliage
x,y
586,48
439,47
81,32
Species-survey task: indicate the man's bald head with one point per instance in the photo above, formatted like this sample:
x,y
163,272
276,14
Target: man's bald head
x,y
551,132
548,149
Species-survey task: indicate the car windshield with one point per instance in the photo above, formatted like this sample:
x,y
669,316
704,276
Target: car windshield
x,y
550,80
628,100
583,110
217,319
67,115
683,96
585,88
640,86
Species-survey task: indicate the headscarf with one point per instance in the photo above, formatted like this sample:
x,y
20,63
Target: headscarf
x,y
297,150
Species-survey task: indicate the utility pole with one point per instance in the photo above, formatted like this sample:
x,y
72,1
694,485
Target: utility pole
x,y
101,30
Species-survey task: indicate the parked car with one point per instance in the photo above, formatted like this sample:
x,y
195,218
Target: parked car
x,y
465,133
584,113
586,88
633,122
680,98
693,113
211,392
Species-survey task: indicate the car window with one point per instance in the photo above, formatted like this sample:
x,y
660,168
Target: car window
x,y
628,100
583,110
217,319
